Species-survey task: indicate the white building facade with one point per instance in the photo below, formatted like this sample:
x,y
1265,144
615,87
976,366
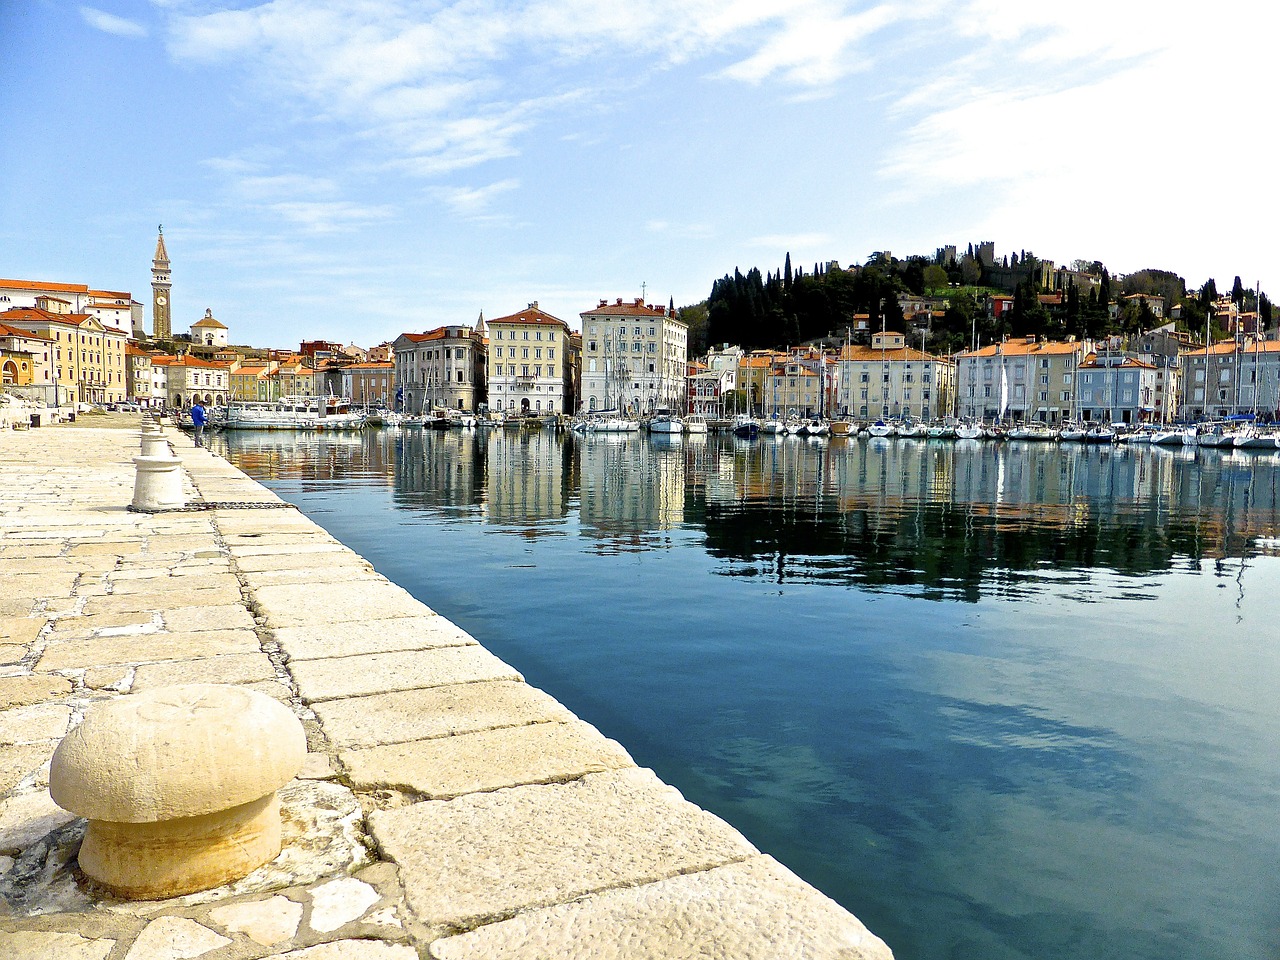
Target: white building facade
x,y
443,367
634,358
890,380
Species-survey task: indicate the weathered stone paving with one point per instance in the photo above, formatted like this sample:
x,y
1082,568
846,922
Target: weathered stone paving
x,y
446,808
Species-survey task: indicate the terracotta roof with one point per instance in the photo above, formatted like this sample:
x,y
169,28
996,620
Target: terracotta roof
x,y
867,354
209,322
113,295
637,308
8,331
1228,347
36,315
531,315
371,365
38,285
1020,348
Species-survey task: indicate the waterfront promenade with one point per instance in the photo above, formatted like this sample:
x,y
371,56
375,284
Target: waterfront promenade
x,y
447,809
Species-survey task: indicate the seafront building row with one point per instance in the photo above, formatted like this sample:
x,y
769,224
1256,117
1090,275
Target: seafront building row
x,y
67,344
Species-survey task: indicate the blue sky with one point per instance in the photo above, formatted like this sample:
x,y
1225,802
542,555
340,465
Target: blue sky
x,y
352,170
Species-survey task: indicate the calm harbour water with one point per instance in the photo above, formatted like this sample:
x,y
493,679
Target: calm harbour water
x,y
1000,701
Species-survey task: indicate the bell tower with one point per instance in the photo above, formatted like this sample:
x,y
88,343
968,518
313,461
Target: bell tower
x,y
161,327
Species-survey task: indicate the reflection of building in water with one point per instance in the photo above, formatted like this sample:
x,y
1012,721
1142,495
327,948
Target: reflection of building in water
x,y
280,455
438,468
526,477
631,484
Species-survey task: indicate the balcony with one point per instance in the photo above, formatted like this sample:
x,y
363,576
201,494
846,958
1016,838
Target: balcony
x,y
525,383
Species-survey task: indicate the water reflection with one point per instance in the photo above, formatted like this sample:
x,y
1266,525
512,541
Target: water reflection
x,y
945,520
1074,760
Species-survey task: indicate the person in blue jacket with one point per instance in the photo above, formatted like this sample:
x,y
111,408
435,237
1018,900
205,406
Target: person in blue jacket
x,y
198,421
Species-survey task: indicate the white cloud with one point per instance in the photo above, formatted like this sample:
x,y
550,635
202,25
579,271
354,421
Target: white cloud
x,y
110,23
472,201
331,216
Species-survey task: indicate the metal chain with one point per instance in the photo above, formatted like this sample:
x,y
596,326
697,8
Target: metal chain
x,y
214,505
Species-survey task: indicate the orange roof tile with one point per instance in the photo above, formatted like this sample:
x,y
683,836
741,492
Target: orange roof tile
x,y
531,315
1020,348
39,285
637,308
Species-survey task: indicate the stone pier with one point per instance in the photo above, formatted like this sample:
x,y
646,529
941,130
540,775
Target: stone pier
x,y
446,809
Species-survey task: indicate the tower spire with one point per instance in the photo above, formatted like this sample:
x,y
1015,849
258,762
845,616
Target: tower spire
x,y
161,283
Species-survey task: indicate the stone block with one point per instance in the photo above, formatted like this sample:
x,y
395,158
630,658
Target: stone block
x,y
221,617
315,642
486,856
162,600
11,653
332,679
26,690
435,712
446,767
172,586
22,630
79,628
20,761
338,902
231,668
350,950
30,724
753,910
265,922
145,648
27,817
360,600
41,945
174,938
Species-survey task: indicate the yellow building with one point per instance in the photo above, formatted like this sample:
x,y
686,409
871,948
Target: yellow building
x,y
88,358
528,369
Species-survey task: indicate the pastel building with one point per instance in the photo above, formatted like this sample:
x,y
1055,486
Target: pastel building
x,y
634,357
528,369
890,379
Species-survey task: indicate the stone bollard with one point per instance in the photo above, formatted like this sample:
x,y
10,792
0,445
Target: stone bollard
x,y
158,483
179,786
155,444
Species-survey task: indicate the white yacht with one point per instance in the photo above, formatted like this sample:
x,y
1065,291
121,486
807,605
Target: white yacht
x,y
293,413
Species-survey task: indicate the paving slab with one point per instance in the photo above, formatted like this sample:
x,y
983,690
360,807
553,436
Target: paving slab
x,y
19,761
27,817
22,691
146,648
487,856
230,668
164,584
320,680
291,606
221,617
350,950
83,627
435,712
753,910
30,724
22,630
445,767
314,642
342,560
161,599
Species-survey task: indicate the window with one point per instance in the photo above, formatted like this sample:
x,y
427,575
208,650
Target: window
x,y
551,353
1044,379
524,370
537,353
524,353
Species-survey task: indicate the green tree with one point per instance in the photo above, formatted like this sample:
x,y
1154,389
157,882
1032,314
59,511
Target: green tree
x,y
935,278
